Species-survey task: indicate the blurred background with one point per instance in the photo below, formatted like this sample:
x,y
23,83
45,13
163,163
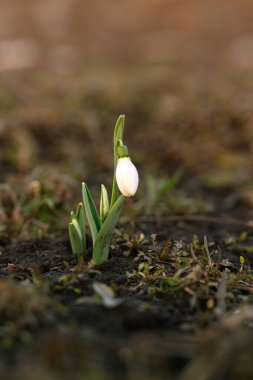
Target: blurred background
x,y
181,71
63,35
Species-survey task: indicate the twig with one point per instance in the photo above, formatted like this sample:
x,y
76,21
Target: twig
x,y
193,254
210,263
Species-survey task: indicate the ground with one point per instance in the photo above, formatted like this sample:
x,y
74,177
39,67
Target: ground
x,y
175,298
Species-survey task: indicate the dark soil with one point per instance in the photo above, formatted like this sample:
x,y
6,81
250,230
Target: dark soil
x,y
66,330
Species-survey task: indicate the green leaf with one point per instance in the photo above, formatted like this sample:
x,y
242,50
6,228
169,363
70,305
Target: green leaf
x,y
80,216
102,244
104,204
91,212
74,221
75,239
170,183
118,135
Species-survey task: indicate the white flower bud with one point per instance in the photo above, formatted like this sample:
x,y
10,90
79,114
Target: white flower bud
x,y
127,177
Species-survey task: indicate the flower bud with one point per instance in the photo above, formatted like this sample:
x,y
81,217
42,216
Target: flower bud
x,y
104,204
127,177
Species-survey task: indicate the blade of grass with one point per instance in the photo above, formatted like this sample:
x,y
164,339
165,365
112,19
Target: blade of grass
x,y
171,182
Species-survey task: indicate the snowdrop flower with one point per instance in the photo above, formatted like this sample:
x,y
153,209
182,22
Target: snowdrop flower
x,y
126,173
102,224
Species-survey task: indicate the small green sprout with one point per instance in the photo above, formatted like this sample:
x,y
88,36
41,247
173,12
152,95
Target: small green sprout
x,y
159,187
242,261
102,224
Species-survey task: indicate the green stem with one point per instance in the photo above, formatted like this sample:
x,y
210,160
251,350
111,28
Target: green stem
x,y
102,245
118,135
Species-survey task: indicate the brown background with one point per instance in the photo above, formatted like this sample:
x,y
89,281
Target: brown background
x,y
65,34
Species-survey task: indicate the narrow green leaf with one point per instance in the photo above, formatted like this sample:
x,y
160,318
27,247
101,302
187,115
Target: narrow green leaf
x,y
74,221
171,182
104,204
102,244
118,135
80,216
72,216
75,239
91,212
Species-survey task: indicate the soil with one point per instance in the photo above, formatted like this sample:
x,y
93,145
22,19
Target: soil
x,y
66,330
174,300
